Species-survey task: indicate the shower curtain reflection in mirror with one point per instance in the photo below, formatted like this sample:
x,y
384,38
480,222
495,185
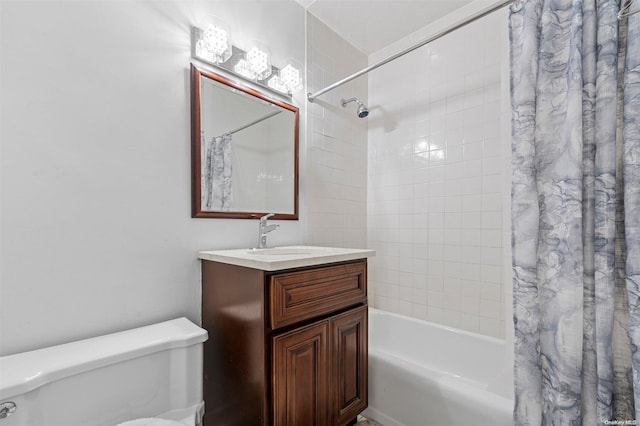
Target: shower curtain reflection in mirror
x,y
217,172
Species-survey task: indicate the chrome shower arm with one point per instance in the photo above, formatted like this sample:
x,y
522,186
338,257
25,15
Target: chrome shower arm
x,y
346,101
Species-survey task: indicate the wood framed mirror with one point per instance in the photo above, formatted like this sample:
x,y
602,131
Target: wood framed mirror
x,y
244,150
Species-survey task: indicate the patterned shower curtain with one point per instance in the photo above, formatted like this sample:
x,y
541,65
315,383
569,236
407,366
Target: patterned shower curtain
x,y
575,93
216,193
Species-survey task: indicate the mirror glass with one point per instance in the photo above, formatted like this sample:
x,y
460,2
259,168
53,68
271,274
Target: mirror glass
x,y
245,150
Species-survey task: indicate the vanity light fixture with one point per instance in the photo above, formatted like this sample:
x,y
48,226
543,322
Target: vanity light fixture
x,y
214,47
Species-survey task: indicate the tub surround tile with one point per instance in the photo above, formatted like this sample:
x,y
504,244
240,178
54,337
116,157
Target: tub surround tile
x,y
337,157
445,139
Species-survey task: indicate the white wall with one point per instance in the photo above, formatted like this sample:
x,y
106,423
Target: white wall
x,y
337,149
437,172
95,219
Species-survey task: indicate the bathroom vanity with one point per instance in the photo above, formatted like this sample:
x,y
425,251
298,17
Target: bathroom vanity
x,y
287,335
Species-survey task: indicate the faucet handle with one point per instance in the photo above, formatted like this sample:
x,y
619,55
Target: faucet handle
x,y
264,229
264,218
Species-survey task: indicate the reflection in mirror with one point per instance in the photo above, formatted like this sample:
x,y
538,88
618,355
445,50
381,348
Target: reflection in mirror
x,y
245,151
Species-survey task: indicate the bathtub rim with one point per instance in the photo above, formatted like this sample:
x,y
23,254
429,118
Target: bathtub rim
x,y
458,331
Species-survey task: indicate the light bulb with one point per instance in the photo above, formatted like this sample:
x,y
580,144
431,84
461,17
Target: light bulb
x,y
217,38
260,62
276,84
290,77
214,44
243,68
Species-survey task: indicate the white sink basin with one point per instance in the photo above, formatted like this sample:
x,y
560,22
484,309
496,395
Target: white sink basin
x,y
286,251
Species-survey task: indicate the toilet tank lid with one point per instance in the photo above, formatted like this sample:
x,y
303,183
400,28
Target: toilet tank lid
x,y
24,372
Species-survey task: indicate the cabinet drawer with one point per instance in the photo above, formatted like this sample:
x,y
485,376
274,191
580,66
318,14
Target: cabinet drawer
x,y
298,296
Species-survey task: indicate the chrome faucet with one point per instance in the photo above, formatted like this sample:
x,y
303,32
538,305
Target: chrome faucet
x,y
264,230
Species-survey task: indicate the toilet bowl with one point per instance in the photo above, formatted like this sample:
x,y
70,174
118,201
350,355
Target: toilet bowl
x,y
149,376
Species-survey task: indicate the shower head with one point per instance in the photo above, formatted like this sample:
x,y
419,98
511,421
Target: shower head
x,y
363,111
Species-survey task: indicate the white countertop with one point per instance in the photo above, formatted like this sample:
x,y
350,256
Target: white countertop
x,y
277,258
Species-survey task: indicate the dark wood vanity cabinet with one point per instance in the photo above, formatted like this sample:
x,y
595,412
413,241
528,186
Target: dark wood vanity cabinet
x,y
285,347
319,371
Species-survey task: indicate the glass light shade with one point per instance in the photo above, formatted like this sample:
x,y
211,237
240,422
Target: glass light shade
x,y
291,77
260,61
244,69
276,84
214,44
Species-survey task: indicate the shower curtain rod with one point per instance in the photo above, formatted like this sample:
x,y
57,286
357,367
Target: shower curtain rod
x,y
252,123
472,18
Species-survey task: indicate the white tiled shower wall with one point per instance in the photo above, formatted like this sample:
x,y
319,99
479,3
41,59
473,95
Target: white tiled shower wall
x,y
336,143
433,198
438,180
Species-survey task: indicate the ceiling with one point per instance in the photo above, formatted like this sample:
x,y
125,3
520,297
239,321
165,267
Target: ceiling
x,y
370,25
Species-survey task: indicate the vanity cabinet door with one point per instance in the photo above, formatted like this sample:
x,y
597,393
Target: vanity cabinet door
x,y
300,376
348,364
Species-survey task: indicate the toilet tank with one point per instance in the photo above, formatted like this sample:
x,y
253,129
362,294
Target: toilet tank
x,y
152,371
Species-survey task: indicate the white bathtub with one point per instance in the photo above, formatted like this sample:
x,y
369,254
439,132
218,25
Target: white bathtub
x,y
421,373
